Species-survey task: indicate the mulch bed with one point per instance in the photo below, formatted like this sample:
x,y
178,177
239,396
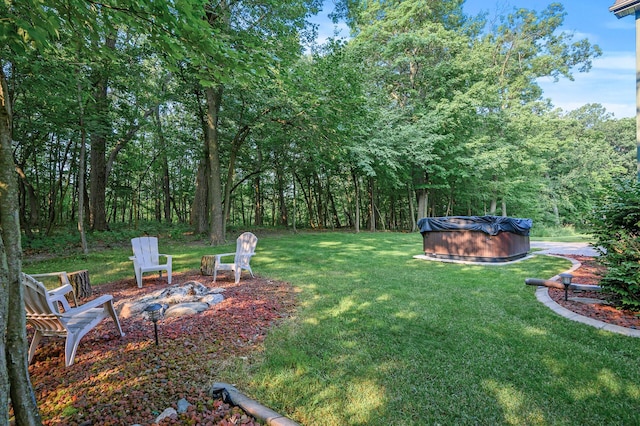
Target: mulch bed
x,y
590,272
127,380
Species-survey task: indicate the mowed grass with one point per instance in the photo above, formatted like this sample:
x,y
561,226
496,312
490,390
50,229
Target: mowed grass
x,y
381,338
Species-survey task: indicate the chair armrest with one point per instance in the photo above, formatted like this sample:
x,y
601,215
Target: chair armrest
x,y
218,256
60,291
132,258
58,294
63,276
168,256
95,303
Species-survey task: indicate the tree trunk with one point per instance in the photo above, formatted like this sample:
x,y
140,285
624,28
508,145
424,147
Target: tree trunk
x,y
493,207
199,215
334,212
556,212
5,175
554,202
392,213
372,209
81,185
306,193
283,216
423,203
412,211
31,199
494,198
87,208
238,140
81,284
294,213
164,163
57,193
4,308
81,175
14,372
207,264
216,220
379,215
356,188
99,131
199,207
69,185
166,188
51,208
320,205
100,165
257,205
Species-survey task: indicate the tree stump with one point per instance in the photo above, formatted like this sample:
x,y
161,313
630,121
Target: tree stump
x,y
207,264
79,280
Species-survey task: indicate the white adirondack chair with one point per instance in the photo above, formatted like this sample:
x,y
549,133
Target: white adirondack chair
x,y
147,259
245,248
50,314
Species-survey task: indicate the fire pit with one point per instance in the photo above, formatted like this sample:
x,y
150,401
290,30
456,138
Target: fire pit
x,y
188,299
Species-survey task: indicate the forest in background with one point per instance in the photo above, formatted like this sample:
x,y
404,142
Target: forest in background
x,y
424,111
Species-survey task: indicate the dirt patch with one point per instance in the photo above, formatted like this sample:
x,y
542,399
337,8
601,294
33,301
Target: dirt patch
x,y
590,272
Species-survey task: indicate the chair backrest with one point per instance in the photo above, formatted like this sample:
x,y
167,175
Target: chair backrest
x,y
41,312
245,248
145,249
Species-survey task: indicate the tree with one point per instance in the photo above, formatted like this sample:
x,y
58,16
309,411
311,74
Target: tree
x,y
412,51
525,46
583,163
252,37
14,374
34,26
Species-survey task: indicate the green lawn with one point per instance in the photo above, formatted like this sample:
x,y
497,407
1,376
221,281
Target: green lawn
x,y
381,338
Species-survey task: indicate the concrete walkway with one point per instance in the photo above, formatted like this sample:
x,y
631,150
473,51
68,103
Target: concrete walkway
x,y
577,249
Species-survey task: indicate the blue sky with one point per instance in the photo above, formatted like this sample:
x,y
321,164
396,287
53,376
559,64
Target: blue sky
x,y
611,81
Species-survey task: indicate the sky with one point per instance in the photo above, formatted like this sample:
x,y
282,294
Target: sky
x,y
611,80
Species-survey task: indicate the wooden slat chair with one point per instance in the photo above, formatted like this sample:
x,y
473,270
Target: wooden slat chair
x,y
245,249
147,259
50,314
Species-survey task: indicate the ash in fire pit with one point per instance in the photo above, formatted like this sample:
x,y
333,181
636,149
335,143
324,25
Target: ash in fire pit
x,y
191,298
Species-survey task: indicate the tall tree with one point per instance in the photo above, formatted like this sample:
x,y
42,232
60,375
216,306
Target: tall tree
x,y
583,163
524,46
411,50
14,374
252,37
24,24
33,25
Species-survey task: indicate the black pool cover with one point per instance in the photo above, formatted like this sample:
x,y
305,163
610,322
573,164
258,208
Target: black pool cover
x,y
491,225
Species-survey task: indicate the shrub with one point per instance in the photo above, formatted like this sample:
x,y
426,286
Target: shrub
x,y
616,228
